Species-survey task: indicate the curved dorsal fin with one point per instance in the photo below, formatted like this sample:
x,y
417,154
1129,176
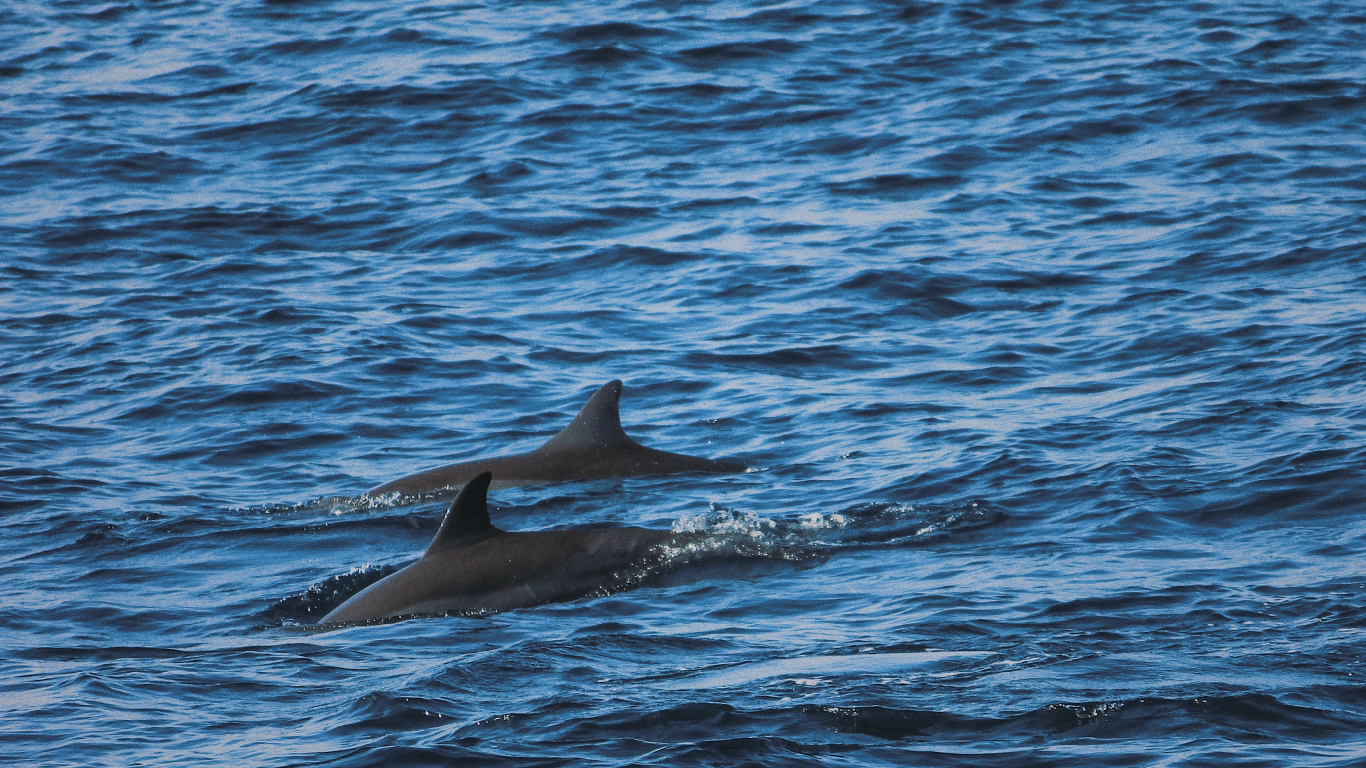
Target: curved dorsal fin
x,y
599,423
468,516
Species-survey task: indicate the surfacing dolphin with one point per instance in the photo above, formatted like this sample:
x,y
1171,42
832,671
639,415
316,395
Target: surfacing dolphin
x,y
593,446
472,567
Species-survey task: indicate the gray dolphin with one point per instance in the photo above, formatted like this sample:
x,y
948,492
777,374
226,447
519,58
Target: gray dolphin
x,y
593,446
473,567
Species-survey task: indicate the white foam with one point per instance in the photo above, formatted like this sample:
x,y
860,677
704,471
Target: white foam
x,y
804,669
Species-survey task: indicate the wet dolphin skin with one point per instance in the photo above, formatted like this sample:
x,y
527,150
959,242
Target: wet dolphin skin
x,y
593,446
473,567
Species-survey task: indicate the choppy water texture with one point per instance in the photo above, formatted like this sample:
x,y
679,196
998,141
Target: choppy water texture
x,y
1045,323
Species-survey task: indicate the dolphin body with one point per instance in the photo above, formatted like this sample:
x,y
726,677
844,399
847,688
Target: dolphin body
x,y
593,446
473,567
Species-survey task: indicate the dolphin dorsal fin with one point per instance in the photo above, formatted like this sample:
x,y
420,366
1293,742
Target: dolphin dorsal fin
x,y
599,423
468,516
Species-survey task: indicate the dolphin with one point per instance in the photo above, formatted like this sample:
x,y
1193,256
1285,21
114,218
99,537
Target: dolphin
x,y
473,567
593,446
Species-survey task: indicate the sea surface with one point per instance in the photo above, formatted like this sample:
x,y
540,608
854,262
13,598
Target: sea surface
x,y
1042,325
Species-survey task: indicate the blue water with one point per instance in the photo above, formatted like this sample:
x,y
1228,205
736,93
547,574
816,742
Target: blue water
x,y
1043,322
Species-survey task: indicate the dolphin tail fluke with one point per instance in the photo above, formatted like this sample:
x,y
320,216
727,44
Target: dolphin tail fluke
x,y
468,516
599,423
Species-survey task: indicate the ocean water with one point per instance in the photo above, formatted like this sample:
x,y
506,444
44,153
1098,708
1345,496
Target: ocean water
x,y
1042,323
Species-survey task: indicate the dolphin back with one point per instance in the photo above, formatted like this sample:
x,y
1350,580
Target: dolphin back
x,y
473,567
593,446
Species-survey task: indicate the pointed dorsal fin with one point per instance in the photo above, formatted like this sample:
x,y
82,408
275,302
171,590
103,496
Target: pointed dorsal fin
x,y
599,423
468,516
